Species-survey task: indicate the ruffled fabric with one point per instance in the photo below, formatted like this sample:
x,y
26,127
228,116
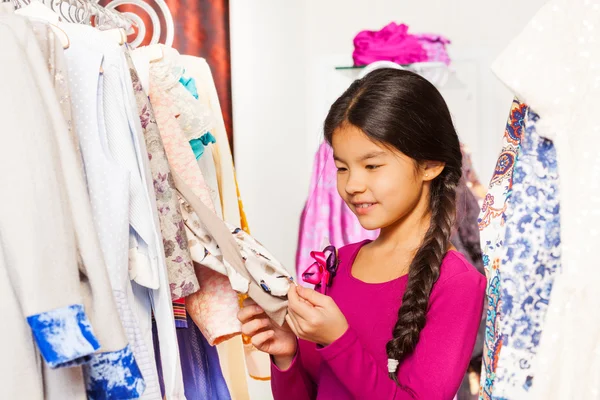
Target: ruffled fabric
x,y
199,145
194,118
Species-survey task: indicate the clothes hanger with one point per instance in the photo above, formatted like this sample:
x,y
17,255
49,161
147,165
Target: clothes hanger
x,y
35,10
110,21
154,19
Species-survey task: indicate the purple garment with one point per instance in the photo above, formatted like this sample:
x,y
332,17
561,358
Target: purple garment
x,y
202,375
392,43
325,215
355,365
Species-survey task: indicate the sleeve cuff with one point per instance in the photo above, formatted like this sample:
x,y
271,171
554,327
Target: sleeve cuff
x,y
64,336
114,375
276,369
339,346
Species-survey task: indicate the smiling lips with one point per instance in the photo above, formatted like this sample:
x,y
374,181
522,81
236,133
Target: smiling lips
x,y
363,208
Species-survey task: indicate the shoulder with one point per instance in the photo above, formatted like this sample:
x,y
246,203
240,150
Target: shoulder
x,y
456,273
347,254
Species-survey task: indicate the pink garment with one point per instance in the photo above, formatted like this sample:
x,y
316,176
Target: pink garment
x,y
326,217
435,46
392,43
214,306
179,152
355,365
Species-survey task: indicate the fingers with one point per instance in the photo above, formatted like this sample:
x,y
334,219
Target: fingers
x,y
248,302
254,326
313,297
261,338
247,313
298,305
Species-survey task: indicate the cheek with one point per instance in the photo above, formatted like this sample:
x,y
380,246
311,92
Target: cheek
x,y
396,191
341,185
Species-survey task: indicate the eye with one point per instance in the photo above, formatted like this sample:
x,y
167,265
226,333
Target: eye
x,y
342,169
372,167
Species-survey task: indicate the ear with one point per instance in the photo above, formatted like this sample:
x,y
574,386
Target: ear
x,y
431,170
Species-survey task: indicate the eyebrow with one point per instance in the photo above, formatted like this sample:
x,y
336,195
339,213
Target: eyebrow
x,y
364,157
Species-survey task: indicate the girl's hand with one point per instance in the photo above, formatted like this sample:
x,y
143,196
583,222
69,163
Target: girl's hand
x,y
267,336
314,317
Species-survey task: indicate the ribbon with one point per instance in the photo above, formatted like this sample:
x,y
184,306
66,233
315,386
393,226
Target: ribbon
x,y
323,270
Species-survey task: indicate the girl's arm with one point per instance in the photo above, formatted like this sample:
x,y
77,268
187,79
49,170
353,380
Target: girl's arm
x,y
436,368
294,383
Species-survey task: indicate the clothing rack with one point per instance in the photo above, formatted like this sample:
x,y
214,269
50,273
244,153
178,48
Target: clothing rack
x,y
90,12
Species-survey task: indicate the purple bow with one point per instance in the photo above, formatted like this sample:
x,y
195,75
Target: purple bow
x,y
323,270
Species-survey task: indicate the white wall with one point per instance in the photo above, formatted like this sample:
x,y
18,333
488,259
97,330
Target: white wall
x,y
283,59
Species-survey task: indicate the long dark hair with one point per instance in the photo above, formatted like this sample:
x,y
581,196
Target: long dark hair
x,y
402,109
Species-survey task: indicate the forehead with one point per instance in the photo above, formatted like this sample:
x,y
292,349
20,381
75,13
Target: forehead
x,y
350,143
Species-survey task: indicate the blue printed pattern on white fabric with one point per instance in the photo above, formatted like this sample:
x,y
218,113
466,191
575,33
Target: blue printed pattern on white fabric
x,y
114,375
64,336
531,260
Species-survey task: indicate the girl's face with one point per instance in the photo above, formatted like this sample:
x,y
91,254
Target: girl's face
x,y
380,184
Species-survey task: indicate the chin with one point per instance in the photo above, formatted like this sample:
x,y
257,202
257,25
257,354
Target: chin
x,y
369,224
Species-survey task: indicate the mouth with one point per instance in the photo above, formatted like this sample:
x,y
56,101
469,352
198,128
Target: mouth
x,y
363,208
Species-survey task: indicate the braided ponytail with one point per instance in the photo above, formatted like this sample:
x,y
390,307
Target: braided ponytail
x,y
424,269
401,109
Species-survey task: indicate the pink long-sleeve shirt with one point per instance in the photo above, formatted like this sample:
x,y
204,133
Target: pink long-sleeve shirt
x,y
355,365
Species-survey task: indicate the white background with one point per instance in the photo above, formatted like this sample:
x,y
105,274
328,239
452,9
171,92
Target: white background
x,y
283,58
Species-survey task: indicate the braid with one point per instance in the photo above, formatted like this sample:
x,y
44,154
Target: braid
x,y
425,268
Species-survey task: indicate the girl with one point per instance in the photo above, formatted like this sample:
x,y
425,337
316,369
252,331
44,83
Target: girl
x,y
400,317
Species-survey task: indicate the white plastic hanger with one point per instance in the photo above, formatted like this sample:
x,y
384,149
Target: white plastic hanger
x,y
117,35
37,11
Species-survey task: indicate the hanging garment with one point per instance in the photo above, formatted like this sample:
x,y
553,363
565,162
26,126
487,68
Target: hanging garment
x,y
492,233
156,301
530,261
261,265
470,176
52,50
207,165
326,217
180,155
250,267
108,376
57,304
108,181
193,117
199,69
230,351
465,235
182,278
123,130
559,46
182,160
202,374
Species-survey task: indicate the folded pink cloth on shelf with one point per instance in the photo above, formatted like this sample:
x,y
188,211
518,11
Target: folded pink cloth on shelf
x,y
392,43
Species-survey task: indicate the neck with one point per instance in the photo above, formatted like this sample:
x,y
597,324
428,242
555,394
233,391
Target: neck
x,y
406,234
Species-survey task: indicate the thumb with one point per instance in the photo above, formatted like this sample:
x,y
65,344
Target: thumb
x,y
312,296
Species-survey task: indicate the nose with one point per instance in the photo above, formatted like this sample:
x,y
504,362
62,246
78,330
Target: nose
x,y
355,184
